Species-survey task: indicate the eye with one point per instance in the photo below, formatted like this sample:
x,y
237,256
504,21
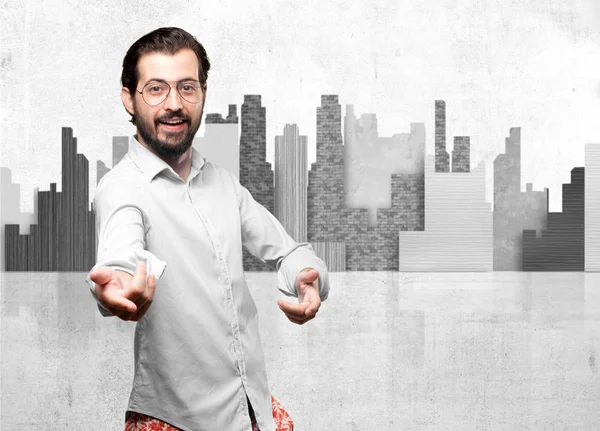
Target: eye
x,y
154,88
188,88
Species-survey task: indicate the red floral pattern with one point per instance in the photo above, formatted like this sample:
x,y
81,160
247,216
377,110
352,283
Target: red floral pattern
x,y
139,422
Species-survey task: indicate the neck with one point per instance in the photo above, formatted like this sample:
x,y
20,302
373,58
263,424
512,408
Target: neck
x,y
182,164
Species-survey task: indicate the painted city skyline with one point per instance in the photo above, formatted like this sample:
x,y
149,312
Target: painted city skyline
x,y
369,202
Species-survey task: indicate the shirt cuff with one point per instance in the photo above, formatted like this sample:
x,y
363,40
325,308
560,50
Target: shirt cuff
x,y
127,262
301,257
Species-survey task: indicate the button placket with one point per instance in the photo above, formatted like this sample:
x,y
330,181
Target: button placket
x,y
225,276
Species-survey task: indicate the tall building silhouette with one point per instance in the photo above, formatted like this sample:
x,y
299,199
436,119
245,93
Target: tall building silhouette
x,y
120,147
561,246
328,219
442,159
221,141
458,232
592,207
291,181
216,118
407,213
101,170
514,210
255,172
10,210
370,160
331,223
64,238
461,154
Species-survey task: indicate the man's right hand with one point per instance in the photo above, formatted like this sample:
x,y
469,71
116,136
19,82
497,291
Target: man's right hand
x,y
127,297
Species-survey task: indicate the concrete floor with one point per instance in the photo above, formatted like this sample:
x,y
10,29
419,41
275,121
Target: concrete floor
x,y
388,351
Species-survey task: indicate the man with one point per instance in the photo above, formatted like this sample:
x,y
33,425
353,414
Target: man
x,y
171,227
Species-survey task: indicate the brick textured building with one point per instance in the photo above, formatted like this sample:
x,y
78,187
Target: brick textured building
x,y
367,248
461,154
442,158
255,172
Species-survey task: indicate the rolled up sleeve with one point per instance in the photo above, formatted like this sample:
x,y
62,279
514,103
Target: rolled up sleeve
x,y
265,237
302,257
121,228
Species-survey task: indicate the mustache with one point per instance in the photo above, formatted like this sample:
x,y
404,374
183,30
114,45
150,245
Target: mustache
x,y
177,115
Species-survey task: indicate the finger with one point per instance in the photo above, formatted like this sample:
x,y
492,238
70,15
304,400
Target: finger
x,y
146,298
138,283
142,310
313,307
297,310
299,321
125,315
151,286
101,275
116,303
307,277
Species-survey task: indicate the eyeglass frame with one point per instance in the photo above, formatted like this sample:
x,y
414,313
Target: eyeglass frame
x,y
202,88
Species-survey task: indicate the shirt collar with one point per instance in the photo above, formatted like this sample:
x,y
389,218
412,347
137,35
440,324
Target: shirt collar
x,y
151,165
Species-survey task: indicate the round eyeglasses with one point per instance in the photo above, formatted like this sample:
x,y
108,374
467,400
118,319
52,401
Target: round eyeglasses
x,y
156,92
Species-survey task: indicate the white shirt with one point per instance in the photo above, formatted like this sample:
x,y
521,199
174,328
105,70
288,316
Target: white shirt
x,y
197,350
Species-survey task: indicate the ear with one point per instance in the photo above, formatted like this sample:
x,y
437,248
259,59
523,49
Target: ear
x,y
204,90
127,100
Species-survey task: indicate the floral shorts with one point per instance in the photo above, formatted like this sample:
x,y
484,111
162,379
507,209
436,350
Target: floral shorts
x,y
139,422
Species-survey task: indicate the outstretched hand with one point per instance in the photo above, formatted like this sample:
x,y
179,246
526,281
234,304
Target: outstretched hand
x,y
127,297
309,300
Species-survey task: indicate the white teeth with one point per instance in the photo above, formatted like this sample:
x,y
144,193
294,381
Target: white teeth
x,y
173,122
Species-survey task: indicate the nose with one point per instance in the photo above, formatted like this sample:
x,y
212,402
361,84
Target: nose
x,y
173,100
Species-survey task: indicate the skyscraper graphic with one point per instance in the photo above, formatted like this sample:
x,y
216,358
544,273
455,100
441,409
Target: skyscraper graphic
x,y
461,154
221,141
101,170
216,118
10,210
64,238
291,181
255,172
120,146
370,160
592,207
407,213
442,159
561,246
458,232
327,216
514,210
367,248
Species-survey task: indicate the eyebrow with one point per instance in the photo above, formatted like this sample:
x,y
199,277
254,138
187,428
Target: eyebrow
x,y
164,80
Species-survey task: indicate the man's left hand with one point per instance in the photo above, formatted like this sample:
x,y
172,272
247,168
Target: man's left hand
x,y
309,300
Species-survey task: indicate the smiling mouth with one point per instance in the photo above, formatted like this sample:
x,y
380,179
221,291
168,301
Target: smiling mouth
x,y
173,125
172,122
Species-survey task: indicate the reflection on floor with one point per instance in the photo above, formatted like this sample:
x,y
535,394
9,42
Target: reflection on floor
x,y
387,351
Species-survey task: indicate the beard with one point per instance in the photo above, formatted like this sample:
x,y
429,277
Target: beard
x,y
176,143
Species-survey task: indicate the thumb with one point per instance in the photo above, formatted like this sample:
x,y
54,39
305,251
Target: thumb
x,y
308,276
101,275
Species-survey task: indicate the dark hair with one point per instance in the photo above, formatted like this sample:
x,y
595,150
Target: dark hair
x,y
166,40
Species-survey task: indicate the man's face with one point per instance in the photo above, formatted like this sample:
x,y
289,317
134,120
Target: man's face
x,y
174,139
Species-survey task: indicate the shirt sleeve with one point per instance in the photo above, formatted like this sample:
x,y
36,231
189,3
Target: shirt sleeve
x,y
265,237
121,227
